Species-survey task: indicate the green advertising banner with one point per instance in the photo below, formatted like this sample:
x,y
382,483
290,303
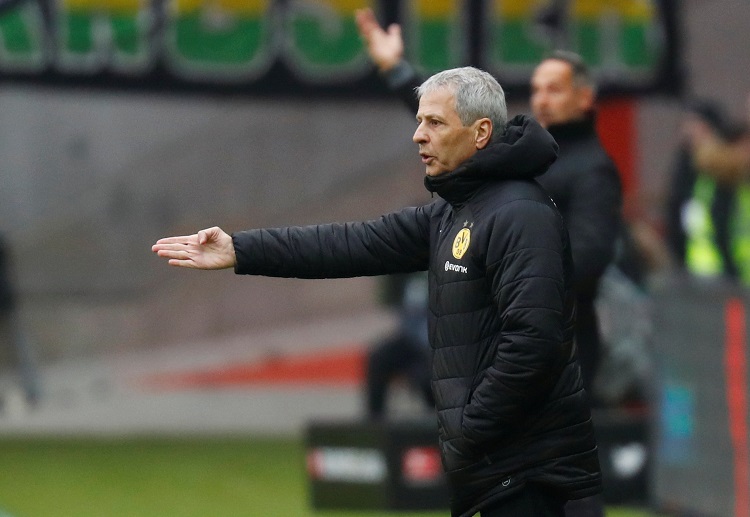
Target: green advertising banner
x,y
295,46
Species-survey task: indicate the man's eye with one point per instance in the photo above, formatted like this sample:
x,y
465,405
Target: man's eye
x,y
435,122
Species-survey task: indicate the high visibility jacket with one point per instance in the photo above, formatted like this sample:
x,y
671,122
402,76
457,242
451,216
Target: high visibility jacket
x,y
703,254
740,233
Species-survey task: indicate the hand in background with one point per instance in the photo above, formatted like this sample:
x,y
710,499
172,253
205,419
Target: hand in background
x,y
386,48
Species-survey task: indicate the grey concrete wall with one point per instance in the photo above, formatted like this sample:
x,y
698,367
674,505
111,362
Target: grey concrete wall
x,y
91,179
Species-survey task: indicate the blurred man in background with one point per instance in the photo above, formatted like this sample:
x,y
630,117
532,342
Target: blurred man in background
x,y
405,352
15,350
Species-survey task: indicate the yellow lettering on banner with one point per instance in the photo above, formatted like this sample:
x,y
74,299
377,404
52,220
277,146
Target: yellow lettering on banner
x,y
437,8
346,6
186,6
105,5
517,8
249,8
634,9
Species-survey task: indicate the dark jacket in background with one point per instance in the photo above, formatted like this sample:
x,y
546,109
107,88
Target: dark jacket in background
x,y
585,185
7,292
508,391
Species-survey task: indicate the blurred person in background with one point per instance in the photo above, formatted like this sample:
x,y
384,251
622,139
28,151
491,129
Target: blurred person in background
x,y
15,350
406,351
514,422
708,210
7,292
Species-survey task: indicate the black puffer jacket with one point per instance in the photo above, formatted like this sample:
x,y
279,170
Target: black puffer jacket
x,y
508,391
585,185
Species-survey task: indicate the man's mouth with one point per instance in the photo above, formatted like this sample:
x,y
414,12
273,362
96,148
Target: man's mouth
x,y
426,158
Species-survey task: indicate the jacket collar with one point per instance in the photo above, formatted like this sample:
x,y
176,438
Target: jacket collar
x,y
574,130
523,151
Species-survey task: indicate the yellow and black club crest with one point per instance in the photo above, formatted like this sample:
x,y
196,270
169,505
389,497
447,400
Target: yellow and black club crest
x,y
461,243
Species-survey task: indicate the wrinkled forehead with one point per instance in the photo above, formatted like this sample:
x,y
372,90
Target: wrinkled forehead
x,y
437,101
442,89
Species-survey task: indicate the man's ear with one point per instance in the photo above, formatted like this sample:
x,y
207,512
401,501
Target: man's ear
x,y
482,132
586,99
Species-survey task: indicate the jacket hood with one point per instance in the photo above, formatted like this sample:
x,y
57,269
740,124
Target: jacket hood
x,y
524,151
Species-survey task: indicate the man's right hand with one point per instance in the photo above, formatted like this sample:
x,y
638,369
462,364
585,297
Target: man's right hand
x,y
386,48
211,248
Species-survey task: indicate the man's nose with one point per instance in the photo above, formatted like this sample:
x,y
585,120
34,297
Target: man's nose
x,y
419,135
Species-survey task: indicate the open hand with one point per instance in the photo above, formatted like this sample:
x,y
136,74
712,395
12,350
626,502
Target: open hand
x,y
208,249
386,48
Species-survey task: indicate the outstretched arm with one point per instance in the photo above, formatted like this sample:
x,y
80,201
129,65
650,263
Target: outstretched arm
x,y
208,249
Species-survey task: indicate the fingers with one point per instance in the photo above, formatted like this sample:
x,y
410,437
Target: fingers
x,y
172,251
364,18
209,234
183,263
200,238
182,239
169,250
367,24
178,250
178,254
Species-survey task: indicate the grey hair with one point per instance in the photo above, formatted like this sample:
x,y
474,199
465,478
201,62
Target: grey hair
x,y
477,93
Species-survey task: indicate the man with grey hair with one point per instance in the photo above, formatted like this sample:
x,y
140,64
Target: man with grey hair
x,y
514,425
583,182
478,94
